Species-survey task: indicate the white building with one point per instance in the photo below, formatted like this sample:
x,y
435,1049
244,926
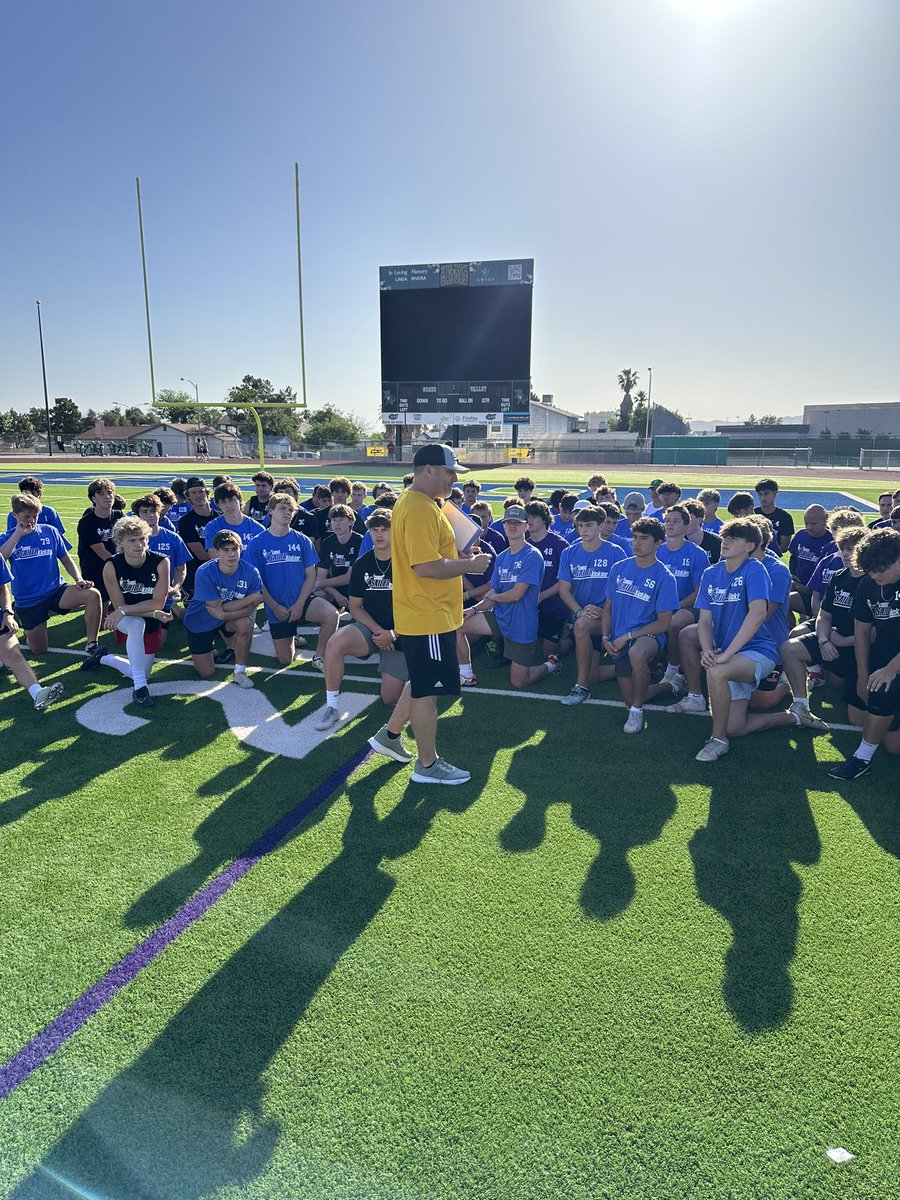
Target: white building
x,y
881,419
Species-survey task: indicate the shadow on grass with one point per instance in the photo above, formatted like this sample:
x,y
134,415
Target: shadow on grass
x,y
621,809
878,811
759,824
188,1116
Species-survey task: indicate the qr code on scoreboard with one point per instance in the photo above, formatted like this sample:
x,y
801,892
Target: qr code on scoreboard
x,y
514,272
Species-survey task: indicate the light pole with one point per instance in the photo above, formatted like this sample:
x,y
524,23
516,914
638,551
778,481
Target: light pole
x,y
184,379
44,373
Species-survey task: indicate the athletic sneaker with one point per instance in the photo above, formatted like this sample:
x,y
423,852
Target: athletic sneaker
x,y
93,658
853,768
678,683
225,655
577,695
142,697
713,750
330,716
440,771
689,705
381,743
47,695
814,679
242,679
467,680
318,662
635,723
807,718
299,642
555,664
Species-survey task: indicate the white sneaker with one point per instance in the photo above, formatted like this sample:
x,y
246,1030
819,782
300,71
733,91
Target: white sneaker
x,y
807,718
439,772
635,723
330,716
713,750
318,662
46,696
242,679
689,704
678,684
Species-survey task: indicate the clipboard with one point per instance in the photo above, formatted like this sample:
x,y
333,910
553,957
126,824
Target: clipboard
x,y
466,532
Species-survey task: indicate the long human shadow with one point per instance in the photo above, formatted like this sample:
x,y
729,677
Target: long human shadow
x,y
759,825
878,810
93,755
187,1117
621,807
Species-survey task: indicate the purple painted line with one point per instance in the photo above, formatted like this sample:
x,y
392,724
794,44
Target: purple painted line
x,y
53,1036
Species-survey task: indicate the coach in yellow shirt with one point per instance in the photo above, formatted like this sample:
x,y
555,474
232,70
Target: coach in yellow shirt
x,y
427,594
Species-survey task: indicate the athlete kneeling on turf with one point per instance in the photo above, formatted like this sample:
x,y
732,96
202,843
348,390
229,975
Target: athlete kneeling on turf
x,y
371,606
11,655
227,593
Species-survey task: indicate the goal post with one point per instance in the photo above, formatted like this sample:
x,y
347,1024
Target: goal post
x,y
250,408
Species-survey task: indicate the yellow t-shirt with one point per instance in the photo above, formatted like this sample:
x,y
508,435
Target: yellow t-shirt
x,y
420,533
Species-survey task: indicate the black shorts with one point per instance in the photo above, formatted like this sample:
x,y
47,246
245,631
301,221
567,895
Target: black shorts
x,y
202,641
287,629
38,614
844,666
433,664
551,629
884,703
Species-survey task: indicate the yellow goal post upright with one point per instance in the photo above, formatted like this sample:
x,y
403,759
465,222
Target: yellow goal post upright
x,y
251,408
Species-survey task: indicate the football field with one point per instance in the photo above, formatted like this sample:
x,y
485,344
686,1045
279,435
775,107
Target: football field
x,y
245,959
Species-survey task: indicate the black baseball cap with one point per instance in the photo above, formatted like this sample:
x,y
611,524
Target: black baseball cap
x,y
194,481
435,455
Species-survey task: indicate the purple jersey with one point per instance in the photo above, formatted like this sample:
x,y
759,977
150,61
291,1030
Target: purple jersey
x,y
806,551
552,547
825,568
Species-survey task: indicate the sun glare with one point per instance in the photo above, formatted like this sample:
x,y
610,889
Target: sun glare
x,y
711,9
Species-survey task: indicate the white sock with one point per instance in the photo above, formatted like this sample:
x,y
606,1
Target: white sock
x,y
133,628
797,720
465,669
332,699
865,751
804,700
671,671
694,696
239,668
122,665
34,689
639,711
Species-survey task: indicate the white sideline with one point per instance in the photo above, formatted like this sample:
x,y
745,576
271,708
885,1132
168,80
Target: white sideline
x,y
469,691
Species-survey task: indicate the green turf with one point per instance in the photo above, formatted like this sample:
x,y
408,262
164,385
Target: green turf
x,y
599,970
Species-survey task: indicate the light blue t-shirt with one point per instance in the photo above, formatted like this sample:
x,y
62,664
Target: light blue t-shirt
x,y
587,571
211,583
686,564
35,564
49,516
246,531
518,621
727,596
282,563
776,627
639,594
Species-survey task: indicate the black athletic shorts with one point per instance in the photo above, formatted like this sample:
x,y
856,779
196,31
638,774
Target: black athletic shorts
x,y
287,629
551,629
433,664
38,614
885,702
844,666
202,641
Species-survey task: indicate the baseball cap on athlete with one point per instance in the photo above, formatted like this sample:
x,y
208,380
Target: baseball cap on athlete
x,y
654,483
438,456
194,481
634,500
516,512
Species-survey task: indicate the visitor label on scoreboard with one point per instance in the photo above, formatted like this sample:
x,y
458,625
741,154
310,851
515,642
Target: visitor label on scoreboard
x,y
457,396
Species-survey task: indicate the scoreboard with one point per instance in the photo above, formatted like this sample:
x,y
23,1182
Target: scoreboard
x,y
456,342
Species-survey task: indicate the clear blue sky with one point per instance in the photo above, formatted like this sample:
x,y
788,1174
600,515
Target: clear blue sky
x,y
709,187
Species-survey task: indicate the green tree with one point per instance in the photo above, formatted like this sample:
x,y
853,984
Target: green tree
x,y
329,424
177,408
138,416
65,418
277,422
638,422
17,428
112,416
769,419
627,382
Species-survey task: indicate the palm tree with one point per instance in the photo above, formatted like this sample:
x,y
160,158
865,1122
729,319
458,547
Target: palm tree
x,y
627,380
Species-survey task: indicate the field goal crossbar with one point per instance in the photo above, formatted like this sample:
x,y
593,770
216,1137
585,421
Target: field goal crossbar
x,y
251,408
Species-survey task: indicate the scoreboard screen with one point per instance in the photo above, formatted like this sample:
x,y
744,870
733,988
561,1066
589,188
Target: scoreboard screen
x,y
456,341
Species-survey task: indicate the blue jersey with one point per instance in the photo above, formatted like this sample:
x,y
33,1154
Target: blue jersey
x,y
626,544
776,627
552,548
246,531
805,552
35,564
170,544
727,596
366,544
639,594
5,576
623,529
713,526
825,569
211,583
282,563
587,570
518,621
686,564
49,516
564,529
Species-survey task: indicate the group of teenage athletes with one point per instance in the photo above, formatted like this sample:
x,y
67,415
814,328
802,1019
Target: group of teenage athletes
x,y
657,596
